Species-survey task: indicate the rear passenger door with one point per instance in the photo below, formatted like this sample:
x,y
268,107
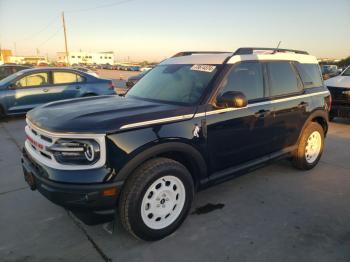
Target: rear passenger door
x,y
238,135
66,85
289,105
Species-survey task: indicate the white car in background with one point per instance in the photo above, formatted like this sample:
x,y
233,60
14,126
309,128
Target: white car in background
x,y
342,80
339,86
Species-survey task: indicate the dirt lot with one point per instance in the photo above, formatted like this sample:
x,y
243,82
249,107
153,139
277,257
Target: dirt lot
x,y
273,214
116,74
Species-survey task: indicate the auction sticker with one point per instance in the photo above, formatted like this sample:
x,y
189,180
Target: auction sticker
x,y
203,68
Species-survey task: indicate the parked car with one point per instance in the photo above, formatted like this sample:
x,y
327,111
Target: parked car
x,y
146,68
329,71
195,120
6,70
86,70
132,80
339,87
29,88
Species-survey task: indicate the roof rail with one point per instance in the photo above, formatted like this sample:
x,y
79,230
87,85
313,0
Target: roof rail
x,y
187,53
250,50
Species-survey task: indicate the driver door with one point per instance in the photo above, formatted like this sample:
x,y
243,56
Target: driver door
x,y
29,91
239,135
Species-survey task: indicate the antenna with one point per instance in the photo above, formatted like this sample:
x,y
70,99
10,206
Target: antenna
x,y
279,43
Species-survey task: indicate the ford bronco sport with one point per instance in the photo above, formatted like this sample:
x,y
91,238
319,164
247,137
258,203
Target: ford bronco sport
x,y
196,119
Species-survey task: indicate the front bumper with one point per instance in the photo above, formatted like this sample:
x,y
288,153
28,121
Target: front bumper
x,y
85,197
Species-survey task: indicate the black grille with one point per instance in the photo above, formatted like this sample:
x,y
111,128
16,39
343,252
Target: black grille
x,y
338,96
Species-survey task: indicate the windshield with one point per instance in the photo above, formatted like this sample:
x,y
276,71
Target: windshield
x,y
183,84
9,79
346,72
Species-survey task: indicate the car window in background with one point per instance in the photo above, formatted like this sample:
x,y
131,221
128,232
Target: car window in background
x,y
38,79
346,72
174,83
246,77
66,78
283,79
310,74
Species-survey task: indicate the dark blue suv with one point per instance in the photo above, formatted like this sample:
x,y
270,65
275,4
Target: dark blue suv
x,y
196,119
29,88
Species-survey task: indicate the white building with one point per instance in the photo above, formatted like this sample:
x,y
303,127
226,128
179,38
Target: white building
x,y
86,58
34,60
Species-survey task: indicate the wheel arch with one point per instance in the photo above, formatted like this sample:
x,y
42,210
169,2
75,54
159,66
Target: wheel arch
x,y
319,116
183,153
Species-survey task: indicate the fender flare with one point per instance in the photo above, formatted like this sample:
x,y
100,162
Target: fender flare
x,y
316,113
167,147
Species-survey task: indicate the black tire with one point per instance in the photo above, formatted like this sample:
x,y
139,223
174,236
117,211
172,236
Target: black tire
x,y
89,95
136,186
2,113
299,158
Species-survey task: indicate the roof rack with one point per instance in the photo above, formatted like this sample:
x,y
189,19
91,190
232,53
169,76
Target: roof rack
x,y
250,50
187,53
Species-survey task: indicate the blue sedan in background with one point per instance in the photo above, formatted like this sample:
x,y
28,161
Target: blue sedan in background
x,y
29,88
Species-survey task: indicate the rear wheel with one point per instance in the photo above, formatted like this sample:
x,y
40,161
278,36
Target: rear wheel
x,y
156,199
310,147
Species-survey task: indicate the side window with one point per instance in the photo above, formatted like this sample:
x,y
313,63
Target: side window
x,y
38,79
310,74
283,79
245,77
66,78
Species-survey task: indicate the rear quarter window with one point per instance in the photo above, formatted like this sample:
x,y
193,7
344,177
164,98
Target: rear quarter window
x,y
310,75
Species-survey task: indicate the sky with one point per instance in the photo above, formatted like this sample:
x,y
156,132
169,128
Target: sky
x,y
155,29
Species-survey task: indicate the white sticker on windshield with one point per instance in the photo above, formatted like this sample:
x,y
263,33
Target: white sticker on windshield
x,y
203,68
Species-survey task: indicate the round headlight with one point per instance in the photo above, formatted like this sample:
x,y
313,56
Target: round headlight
x,y
89,152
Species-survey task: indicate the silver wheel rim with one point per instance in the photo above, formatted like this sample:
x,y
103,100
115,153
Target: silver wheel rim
x,y
313,147
163,202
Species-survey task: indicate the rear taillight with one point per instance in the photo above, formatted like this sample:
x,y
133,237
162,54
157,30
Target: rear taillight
x,y
111,85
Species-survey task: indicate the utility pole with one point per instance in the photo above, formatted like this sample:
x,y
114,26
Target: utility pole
x,y
65,37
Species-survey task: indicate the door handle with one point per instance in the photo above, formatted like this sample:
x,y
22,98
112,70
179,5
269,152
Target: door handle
x,y
46,90
77,87
262,113
303,104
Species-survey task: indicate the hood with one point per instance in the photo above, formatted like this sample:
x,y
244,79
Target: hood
x,y
338,81
102,114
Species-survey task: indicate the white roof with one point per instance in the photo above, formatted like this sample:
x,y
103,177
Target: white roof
x,y
207,59
301,58
215,59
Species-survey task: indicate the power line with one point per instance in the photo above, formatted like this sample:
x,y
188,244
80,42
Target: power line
x,y
40,31
100,6
50,37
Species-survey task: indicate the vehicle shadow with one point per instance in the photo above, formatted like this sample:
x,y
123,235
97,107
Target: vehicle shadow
x,y
12,118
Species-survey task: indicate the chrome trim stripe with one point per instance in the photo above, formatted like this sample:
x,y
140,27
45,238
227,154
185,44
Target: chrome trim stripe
x,y
62,135
189,116
162,120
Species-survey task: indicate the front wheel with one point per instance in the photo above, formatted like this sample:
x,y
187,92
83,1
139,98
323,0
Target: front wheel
x,y
156,199
310,147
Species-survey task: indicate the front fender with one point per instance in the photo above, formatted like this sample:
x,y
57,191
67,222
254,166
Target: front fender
x,y
127,150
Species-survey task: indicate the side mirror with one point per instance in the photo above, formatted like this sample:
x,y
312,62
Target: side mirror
x,y
12,86
232,99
